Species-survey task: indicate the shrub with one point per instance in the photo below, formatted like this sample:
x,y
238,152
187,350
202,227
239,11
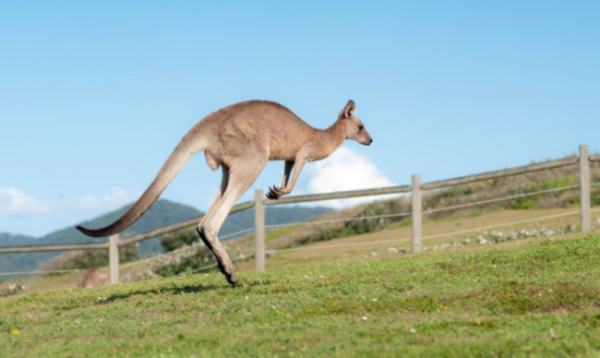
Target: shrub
x,y
175,240
89,259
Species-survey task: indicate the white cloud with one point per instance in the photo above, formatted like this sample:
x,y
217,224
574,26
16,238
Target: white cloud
x,y
24,213
116,197
15,202
345,170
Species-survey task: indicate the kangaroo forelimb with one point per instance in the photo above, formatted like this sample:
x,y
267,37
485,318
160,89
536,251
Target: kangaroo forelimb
x,y
277,192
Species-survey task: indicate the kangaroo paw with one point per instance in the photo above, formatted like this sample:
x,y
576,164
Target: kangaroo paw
x,y
274,193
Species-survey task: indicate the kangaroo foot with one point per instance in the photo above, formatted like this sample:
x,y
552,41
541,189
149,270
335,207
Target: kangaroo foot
x,y
232,280
229,275
220,261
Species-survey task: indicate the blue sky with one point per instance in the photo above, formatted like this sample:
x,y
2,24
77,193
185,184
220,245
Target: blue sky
x,y
94,96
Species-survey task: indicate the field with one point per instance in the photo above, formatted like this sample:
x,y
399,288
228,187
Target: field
x,y
449,229
536,297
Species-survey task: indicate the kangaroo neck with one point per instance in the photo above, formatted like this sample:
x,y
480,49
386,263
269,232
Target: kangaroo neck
x,y
328,140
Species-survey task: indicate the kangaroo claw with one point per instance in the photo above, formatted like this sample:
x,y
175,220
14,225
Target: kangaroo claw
x,y
232,280
274,193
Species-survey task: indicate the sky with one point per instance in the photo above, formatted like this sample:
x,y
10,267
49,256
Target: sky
x,y
95,95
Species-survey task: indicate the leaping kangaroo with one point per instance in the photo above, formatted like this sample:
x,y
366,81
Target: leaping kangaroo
x,y
240,139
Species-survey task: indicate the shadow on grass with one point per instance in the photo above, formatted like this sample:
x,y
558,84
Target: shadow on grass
x,y
175,290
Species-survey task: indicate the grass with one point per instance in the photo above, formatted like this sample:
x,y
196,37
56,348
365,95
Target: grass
x,y
452,228
539,298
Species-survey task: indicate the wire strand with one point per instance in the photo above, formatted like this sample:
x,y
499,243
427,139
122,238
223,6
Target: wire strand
x,y
433,236
277,226
40,272
495,200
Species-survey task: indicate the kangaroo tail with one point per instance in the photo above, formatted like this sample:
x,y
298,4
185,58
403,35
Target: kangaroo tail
x,y
176,161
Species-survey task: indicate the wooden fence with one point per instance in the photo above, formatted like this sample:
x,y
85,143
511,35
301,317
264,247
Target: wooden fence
x,y
415,189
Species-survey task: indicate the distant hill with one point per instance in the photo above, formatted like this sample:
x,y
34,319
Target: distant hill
x,y
162,213
273,216
9,263
8,239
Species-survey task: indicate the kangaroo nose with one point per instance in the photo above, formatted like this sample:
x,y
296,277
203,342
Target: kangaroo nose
x,y
370,141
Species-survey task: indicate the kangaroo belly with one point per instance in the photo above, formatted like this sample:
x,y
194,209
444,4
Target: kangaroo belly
x,y
282,153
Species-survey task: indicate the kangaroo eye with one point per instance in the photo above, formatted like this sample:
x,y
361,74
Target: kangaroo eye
x,y
361,127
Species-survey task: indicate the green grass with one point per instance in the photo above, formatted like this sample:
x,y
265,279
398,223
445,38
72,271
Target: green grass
x,y
538,299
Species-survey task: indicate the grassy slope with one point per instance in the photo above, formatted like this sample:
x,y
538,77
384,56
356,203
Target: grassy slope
x,y
358,246
539,298
447,229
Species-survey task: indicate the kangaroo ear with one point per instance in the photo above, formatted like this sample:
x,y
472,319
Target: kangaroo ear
x,y
347,111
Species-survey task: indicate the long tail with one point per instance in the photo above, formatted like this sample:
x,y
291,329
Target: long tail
x,y
176,161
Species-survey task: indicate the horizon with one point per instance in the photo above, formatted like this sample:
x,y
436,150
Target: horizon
x,y
333,204
95,96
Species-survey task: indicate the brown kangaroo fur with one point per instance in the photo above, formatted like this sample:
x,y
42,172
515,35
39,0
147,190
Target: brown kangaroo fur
x,y
92,278
240,139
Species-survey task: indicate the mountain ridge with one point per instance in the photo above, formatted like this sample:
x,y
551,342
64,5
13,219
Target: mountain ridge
x,y
164,212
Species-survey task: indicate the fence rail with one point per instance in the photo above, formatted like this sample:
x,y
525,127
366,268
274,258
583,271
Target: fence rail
x,y
415,189
339,195
50,248
532,168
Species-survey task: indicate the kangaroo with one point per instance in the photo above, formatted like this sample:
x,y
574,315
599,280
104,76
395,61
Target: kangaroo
x,y
240,139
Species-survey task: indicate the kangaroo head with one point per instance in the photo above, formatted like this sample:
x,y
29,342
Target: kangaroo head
x,y
355,128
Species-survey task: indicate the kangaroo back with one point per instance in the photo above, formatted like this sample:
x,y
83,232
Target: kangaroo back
x,y
176,161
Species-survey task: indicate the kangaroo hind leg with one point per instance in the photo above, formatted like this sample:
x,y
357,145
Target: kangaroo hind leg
x,y
240,176
223,260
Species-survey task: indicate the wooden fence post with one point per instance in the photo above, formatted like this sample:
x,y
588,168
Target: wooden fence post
x,y
584,189
113,258
417,231
259,229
